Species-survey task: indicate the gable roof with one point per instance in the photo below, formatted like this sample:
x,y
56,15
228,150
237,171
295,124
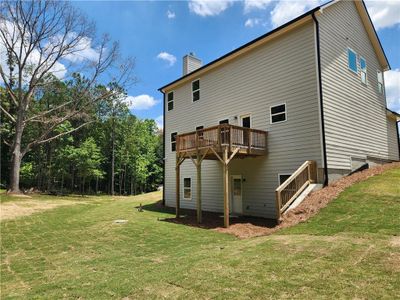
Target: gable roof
x,y
362,10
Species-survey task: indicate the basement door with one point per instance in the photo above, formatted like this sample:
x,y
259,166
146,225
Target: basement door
x,y
236,194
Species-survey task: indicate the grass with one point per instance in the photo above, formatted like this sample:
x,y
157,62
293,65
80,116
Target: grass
x,y
351,249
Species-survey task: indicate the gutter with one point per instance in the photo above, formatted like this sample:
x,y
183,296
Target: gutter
x,y
326,180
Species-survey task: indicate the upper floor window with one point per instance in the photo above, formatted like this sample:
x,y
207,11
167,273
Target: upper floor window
x,y
380,82
278,113
170,100
363,70
352,60
196,90
173,141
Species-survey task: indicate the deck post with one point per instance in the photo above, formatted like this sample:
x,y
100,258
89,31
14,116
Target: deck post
x,y
198,187
178,176
226,189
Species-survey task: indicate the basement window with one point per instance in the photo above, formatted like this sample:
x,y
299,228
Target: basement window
x,y
278,113
283,178
352,60
170,101
196,90
187,188
363,70
380,82
173,141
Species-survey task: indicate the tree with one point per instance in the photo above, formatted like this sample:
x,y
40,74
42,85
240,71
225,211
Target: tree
x,y
87,159
40,41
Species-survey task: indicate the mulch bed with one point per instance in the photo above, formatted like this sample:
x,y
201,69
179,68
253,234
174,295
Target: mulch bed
x,y
247,227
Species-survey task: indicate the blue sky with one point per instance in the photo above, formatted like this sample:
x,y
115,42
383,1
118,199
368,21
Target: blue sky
x,y
159,33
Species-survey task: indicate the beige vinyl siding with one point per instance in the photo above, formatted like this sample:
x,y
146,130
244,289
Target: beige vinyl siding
x,y
281,71
355,114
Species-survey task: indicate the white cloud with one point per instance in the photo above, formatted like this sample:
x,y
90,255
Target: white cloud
x,y
285,11
171,59
160,122
83,51
392,86
207,8
250,5
384,13
141,102
170,14
252,22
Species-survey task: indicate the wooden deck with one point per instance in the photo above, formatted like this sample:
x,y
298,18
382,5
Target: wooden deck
x,y
224,143
214,140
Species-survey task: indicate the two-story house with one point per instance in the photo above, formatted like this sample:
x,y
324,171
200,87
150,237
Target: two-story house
x,y
309,91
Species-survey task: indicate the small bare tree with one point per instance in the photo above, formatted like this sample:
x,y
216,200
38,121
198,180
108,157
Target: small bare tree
x,y
39,41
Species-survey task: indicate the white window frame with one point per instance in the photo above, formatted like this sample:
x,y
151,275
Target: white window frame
x,y
361,70
348,61
282,174
171,142
173,102
183,187
241,117
191,87
380,83
270,113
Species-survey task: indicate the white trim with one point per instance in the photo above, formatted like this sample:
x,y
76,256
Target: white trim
x,y
382,83
173,100
348,61
282,174
183,188
191,88
223,120
361,70
270,114
170,141
245,116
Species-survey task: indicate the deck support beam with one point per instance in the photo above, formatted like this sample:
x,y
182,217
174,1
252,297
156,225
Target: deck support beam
x,y
225,170
198,188
179,161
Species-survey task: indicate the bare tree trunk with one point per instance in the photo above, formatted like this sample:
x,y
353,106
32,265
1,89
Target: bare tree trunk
x,y
16,156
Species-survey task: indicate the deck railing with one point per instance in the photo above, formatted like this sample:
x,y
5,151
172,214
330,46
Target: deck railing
x,y
288,191
223,135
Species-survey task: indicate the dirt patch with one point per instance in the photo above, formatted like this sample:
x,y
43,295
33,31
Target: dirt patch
x,y
245,227
12,210
395,241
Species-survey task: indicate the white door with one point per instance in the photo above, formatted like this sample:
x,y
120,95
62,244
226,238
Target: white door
x,y
236,195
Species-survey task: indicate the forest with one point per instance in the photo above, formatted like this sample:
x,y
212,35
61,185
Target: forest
x,y
65,124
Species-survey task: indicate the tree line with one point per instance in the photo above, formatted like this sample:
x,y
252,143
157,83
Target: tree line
x,y
64,124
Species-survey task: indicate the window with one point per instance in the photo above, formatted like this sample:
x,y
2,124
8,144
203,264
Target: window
x,y
196,90
170,100
363,70
380,82
226,121
173,141
278,113
283,178
352,60
201,134
187,188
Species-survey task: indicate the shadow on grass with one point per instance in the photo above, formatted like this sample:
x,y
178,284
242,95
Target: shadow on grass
x,y
210,220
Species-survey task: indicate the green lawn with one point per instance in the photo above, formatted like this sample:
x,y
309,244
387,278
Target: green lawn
x,y
351,249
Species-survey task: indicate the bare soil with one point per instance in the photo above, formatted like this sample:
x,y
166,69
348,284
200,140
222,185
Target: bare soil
x,y
14,209
247,227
